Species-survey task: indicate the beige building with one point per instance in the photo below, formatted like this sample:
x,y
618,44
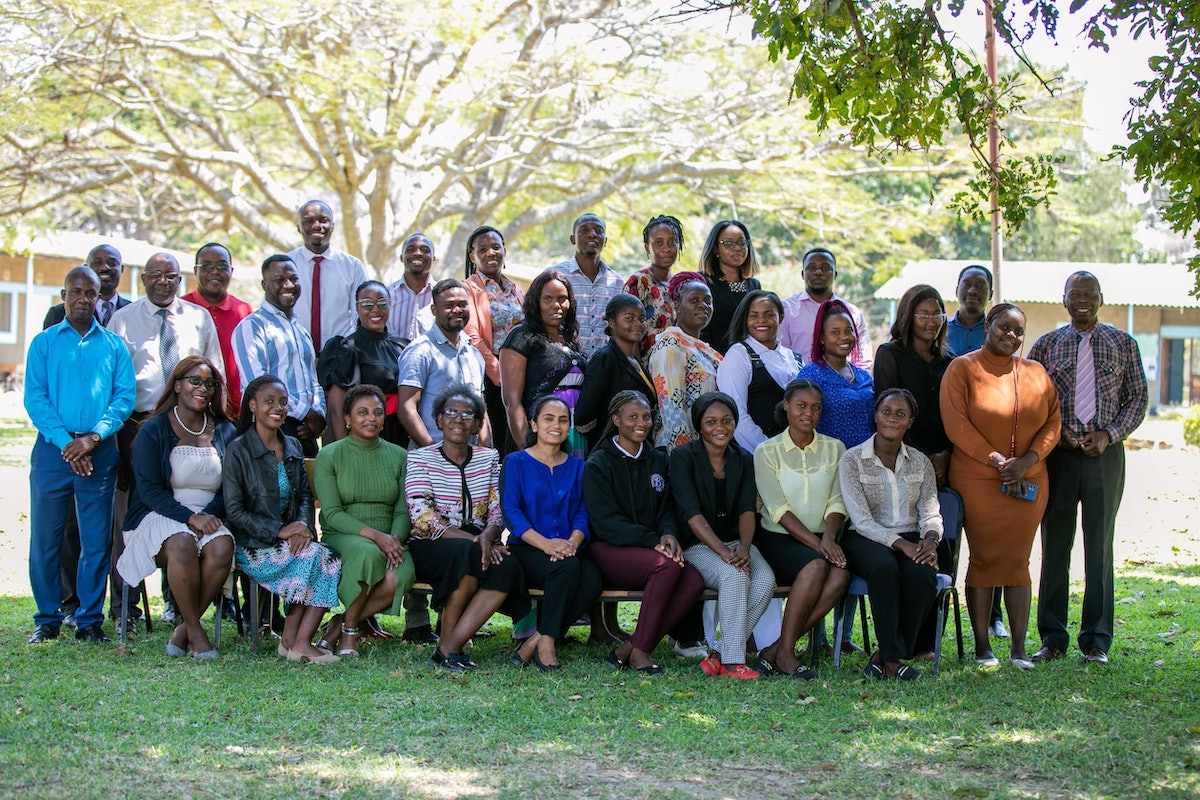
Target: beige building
x,y
1153,302
31,279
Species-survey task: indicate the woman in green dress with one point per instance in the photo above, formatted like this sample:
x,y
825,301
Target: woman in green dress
x,y
359,481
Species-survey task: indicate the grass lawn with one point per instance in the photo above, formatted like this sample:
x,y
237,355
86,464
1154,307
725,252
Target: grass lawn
x,y
81,721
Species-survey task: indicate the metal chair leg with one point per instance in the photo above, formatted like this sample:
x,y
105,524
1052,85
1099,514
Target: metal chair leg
x,y
123,623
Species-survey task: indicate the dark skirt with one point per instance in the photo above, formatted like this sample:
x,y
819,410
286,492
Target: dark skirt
x,y
443,563
786,556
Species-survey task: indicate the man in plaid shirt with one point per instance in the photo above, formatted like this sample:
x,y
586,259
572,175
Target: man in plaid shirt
x,y
1101,385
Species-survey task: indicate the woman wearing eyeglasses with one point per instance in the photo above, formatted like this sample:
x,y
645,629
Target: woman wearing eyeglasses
x,y
729,262
177,509
916,359
368,355
453,491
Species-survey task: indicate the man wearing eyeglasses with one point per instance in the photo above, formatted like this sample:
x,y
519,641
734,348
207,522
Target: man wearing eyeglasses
x,y
800,310
412,295
214,269
158,330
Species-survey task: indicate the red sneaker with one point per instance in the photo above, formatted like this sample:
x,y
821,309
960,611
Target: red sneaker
x,y
712,665
741,672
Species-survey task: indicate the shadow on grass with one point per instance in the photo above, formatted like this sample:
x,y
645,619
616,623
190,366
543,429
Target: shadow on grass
x,y
80,721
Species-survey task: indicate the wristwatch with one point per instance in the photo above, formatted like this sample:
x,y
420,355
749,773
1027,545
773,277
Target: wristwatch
x,y
95,437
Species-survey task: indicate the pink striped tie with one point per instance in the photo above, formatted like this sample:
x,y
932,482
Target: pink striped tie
x,y
1085,381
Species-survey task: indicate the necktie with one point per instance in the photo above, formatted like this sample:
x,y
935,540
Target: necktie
x,y
168,348
106,310
1085,381
316,302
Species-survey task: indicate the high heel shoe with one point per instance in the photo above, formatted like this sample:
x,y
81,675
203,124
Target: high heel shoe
x,y
537,662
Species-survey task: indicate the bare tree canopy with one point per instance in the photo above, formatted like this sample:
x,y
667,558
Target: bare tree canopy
x,y
189,118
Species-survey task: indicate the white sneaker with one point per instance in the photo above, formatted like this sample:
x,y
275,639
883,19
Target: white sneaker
x,y
690,649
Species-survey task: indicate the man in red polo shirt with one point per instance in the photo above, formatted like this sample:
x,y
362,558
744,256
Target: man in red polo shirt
x,y
214,268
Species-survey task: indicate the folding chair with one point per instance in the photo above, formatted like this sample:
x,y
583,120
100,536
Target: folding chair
x,y
952,523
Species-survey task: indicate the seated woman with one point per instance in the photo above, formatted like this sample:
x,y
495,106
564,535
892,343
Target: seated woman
x,y
269,509
757,367
682,366
633,529
712,481
364,518
453,492
614,369
891,494
802,515
541,495
175,511
369,355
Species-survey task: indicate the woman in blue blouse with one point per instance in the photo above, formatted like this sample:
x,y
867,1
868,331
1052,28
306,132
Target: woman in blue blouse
x,y
848,390
541,493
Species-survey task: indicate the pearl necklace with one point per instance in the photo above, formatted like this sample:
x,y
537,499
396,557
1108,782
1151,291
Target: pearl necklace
x,y
200,432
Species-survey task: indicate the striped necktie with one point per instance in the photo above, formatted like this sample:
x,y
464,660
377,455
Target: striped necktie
x,y
1085,381
168,347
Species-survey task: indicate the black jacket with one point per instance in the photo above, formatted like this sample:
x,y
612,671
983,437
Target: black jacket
x,y
695,490
628,500
252,490
609,372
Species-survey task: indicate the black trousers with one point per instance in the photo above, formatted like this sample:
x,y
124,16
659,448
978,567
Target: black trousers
x,y
900,589
570,587
1096,484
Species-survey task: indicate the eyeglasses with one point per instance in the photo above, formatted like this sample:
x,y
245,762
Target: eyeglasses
x,y
208,383
732,244
220,266
368,305
155,277
930,317
454,413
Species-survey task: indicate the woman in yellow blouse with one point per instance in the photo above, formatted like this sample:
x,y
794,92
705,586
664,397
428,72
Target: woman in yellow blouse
x,y
802,513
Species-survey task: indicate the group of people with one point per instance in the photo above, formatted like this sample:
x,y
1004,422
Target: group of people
x,y
667,433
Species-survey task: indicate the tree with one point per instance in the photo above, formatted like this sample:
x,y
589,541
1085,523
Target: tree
x,y
188,118
891,73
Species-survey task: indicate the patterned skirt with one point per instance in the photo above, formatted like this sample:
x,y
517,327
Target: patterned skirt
x,y
308,578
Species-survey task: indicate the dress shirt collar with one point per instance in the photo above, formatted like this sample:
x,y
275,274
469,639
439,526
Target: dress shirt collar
x,y
437,337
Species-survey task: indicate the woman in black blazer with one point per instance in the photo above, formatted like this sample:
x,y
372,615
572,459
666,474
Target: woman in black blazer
x,y
615,368
712,481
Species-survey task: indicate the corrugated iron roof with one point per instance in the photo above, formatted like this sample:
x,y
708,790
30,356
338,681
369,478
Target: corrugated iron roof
x,y
1157,285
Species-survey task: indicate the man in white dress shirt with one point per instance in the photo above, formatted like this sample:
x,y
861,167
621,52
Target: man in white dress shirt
x,y
327,307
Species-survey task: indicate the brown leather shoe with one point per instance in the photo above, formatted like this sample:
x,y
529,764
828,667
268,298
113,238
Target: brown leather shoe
x,y
1095,656
1048,652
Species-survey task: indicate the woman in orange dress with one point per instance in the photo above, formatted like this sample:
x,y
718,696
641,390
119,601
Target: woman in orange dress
x,y
1002,414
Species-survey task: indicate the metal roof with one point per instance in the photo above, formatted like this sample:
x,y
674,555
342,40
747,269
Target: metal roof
x,y
134,252
1157,285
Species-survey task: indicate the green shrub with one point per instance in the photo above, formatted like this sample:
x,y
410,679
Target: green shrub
x,y
1191,426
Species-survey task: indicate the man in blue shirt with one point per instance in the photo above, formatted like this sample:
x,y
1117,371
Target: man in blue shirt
x,y
964,331
79,390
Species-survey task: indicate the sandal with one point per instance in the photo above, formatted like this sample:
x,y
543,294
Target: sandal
x,y
804,673
766,668
650,670
327,642
907,673
348,652
614,661
874,670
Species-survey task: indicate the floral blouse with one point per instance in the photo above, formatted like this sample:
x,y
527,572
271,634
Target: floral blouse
x,y
660,311
682,368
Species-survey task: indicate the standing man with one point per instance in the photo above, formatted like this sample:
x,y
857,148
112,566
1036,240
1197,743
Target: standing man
x,y
214,269
413,293
435,360
800,310
593,281
964,330
104,260
79,388
964,334
1101,385
271,341
328,277
158,330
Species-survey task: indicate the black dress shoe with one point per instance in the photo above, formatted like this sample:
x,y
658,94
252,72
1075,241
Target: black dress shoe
x,y
537,662
1047,652
43,633
422,634
1095,656
92,633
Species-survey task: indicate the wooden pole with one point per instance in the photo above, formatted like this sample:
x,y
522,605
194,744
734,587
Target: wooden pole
x,y
997,237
